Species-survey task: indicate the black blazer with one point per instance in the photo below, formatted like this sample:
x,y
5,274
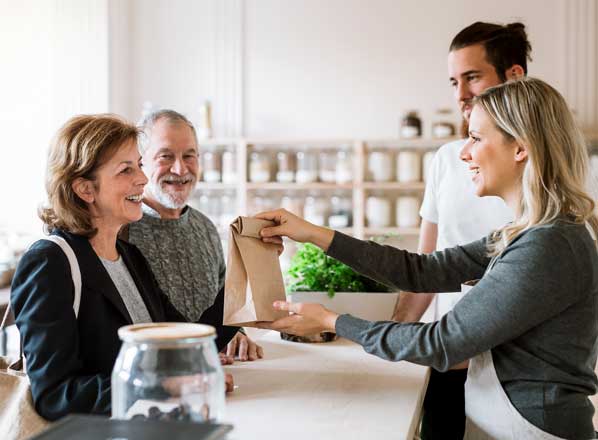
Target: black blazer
x,y
69,360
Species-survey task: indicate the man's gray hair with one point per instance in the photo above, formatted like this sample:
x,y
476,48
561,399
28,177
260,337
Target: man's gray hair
x,y
148,122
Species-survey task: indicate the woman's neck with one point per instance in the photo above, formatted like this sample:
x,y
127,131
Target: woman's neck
x,y
104,242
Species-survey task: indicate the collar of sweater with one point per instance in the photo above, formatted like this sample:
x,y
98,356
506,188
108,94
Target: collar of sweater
x,y
152,216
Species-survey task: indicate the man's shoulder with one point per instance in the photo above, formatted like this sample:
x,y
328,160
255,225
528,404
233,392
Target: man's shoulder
x,y
450,150
199,218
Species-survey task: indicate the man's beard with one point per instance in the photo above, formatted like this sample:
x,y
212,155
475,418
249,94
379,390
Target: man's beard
x,y
168,200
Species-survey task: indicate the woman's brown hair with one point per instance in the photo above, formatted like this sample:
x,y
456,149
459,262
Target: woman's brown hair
x,y
80,147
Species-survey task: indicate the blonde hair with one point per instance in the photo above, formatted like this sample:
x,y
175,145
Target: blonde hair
x,y
81,146
554,183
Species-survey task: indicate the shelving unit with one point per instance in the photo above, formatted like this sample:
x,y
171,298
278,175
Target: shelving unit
x,y
358,189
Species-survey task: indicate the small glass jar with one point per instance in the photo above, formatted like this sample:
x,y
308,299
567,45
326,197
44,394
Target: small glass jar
x,y
315,209
211,165
259,166
411,125
408,166
168,371
229,166
407,211
328,166
292,203
442,127
378,211
344,165
307,166
262,202
380,165
427,163
228,209
285,172
341,212
209,205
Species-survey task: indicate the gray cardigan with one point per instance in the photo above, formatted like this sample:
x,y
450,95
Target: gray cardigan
x,y
536,309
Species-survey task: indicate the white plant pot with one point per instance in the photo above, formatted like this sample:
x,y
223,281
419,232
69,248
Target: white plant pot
x,y
366,305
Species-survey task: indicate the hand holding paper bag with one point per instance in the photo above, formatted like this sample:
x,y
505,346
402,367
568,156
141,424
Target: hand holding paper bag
x,y
253,277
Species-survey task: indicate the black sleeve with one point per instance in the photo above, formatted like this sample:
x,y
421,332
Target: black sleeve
x,y
213,316
42,301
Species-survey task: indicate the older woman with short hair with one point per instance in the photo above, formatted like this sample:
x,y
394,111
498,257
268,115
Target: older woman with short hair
x,y
94,187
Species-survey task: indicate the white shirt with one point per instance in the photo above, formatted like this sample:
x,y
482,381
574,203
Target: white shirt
x,y
462,217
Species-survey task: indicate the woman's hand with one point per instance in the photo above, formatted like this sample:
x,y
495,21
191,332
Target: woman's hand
x,y
305,319
243,348
289,225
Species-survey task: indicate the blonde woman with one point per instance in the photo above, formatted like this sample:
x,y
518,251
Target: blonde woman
x,y
94,186
529,326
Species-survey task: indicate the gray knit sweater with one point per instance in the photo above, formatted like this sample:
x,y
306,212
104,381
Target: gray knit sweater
x,y
185,255
536,309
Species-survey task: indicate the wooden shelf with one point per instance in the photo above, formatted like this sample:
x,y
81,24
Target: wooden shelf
x,y
415,186
391,231
276,186
216,186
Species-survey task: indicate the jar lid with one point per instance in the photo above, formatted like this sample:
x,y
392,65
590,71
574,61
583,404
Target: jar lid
x,y
164,332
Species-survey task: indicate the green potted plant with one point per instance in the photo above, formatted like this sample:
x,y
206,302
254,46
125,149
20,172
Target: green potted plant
x,y
315,277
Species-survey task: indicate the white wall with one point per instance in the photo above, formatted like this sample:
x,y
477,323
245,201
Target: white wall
x,y
335,68
54,65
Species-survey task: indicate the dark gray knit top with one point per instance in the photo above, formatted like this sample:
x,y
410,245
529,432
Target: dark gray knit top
x,y
536,309
185,255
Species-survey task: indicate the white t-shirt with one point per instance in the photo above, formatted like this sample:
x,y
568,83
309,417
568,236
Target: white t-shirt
x,y
462,217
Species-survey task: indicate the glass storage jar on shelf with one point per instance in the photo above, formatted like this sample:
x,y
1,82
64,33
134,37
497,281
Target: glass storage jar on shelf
x,y
261,202
229,166
411,125
211,165
328,166
378,211
344,165
315,209
380,165
228,209
285,166
407,211
307,166
292,203
209,205
259,166
168,371
408,166
442,127
340,211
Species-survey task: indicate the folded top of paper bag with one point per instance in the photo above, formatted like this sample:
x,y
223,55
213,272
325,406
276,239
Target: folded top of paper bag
x,y
250,227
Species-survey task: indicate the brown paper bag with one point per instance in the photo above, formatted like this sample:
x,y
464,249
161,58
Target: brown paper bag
x,y
253,277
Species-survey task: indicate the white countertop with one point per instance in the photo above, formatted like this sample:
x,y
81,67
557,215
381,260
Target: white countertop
x,y
331,390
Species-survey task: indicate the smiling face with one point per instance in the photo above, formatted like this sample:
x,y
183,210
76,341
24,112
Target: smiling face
x,y
172,165
118,188
470,74
496,163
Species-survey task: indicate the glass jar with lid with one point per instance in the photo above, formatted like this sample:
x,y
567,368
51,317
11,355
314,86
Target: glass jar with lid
x,y
211,165
315,209
442,127
168,371
228,209
340,211
292,203
209,204
261,202
229,166
328,166
344,165
411,125
285,166
380,165
408,166
259,166
378,211
307,166
407,211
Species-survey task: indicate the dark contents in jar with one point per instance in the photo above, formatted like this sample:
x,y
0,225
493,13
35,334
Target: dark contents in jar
x,y
180,413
